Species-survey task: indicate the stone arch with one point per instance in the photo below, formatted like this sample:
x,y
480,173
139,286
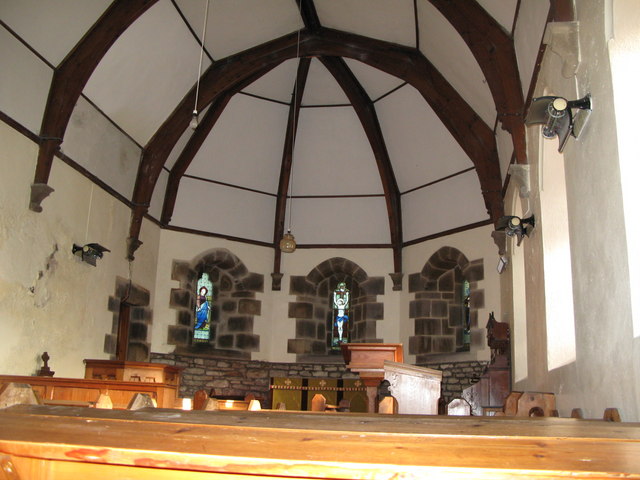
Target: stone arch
x,y
437,305
312,312
234,309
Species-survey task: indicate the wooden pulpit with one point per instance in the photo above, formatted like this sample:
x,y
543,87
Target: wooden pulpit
x,y
367,360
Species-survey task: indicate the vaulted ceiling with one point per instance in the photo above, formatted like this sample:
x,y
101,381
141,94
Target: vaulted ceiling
x,y
351,122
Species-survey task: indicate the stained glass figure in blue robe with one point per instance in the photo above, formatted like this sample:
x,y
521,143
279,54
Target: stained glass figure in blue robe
x,y
202,327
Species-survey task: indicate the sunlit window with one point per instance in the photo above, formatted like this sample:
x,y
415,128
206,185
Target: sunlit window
x,y
558,280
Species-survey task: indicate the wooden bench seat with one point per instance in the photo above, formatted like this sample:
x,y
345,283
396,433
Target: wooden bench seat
x,y
56,443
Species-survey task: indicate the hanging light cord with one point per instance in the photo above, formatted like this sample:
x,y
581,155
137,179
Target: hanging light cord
x,y
204,35
293,134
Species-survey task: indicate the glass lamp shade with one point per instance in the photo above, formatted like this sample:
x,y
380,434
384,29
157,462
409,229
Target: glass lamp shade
x,y
288,243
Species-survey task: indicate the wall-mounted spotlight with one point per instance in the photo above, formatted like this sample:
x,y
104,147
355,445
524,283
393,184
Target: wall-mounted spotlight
x,y
516,226
89,252
560,116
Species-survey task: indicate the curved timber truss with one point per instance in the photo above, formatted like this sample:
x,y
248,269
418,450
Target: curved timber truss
x,y
492,47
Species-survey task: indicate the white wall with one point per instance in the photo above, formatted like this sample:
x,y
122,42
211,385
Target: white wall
x,y
604,373
49,299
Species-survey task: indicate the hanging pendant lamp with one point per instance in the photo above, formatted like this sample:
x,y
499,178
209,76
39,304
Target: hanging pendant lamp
x,y
288,241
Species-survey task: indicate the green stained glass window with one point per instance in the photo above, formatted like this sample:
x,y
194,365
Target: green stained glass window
x,y
466,314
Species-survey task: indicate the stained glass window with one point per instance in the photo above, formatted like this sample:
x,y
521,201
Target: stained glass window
x,y
340,319
204,298
466,312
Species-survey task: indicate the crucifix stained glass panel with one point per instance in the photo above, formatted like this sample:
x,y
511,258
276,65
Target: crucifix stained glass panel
x,y
340,319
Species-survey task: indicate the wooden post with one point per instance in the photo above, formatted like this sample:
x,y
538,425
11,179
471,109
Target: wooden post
x,y
318,403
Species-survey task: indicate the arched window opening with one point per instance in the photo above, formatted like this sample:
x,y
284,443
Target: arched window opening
x,y
341,313
204,301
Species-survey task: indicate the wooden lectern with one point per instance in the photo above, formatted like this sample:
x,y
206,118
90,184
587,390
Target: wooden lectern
x,y
367,360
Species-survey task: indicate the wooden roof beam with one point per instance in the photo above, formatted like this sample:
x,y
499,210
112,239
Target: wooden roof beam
x,y
366,112
70,78
309,15
473,135
287,158
494,51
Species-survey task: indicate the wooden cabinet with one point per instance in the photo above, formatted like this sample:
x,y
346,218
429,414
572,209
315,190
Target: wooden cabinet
x,y
124,371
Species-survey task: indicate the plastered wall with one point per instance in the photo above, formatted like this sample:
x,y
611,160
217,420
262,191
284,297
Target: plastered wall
x,y
49,299
604,373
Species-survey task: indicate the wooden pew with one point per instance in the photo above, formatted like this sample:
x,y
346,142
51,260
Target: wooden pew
x,y
56,443
70,390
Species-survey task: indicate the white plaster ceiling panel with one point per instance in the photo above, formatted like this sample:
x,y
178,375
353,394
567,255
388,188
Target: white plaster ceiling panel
x,y
375,82
46,25
92,141
339,220
147,72
24,87
528,36
215,208
321,87
421,148
422,212
392,21
504,11
236,25
448,52
277,84
332,155
245,146
157,199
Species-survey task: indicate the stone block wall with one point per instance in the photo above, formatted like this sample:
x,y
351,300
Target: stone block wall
x,y
456,376
313,313
140,318
437,308
225,377
233,311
